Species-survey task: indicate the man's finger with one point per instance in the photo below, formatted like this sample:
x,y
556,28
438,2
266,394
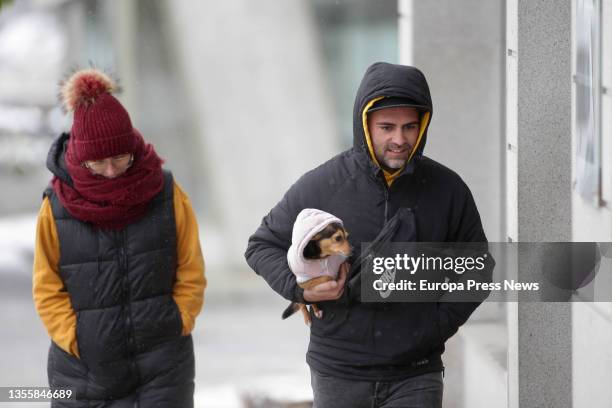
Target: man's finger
x,y
339,295
325,287
345,268
342,274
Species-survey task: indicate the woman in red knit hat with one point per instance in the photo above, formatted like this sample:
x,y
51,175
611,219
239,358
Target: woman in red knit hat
x,y
118,271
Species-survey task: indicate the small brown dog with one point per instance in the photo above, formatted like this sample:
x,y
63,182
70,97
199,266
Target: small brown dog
x,y
332,240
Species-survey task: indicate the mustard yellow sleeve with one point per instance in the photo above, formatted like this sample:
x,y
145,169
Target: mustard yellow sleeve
x,y
50,296
190,283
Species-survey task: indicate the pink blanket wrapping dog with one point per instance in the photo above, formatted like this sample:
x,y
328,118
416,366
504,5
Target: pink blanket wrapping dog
x,y
318,247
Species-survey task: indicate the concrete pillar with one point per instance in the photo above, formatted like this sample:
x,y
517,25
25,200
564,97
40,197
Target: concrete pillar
x,y
539,149
459,47
261,107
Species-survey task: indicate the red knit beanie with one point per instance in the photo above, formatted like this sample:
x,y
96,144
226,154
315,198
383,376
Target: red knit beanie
x,y
101,126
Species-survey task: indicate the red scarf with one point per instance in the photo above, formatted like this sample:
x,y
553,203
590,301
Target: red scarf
x,y
112,203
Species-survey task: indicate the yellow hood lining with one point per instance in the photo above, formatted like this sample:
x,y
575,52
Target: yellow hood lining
x,y
389,177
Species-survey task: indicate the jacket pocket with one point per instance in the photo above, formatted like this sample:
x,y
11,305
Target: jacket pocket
x,y
178,315
155,320
345,321
434,333
66,370
335,315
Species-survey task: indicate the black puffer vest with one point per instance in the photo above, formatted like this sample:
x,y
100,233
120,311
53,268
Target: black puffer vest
x,y
128,325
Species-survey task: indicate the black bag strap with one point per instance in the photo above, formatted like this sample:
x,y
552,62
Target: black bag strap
x,y
383,237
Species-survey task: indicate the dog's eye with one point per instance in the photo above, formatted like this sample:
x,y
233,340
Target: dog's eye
x,y
338,238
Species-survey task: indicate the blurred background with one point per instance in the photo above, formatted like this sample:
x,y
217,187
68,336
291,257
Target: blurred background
x,y
242,97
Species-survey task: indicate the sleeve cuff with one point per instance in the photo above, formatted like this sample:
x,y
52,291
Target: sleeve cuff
x,y
299,295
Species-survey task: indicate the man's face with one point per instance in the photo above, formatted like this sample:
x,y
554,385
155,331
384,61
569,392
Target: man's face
x,y
394,133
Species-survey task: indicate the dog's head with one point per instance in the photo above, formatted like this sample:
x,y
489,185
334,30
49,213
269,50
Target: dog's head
x,y
330,241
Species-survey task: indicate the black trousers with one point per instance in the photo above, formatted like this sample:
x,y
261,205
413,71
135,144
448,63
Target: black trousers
x,y
423,391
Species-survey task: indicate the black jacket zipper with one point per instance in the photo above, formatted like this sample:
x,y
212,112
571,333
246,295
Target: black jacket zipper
x,y
386,203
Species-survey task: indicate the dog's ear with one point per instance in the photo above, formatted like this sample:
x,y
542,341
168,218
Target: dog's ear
x,y
335,226
312,250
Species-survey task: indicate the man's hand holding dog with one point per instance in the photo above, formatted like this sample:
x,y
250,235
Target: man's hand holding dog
x,y
330,290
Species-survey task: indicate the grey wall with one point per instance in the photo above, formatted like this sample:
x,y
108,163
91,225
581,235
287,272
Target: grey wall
x,y
458,45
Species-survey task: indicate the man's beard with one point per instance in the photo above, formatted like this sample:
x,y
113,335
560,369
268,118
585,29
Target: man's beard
x,y
394,164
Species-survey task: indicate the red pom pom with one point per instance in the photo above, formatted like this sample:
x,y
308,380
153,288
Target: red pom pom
x,y
84,86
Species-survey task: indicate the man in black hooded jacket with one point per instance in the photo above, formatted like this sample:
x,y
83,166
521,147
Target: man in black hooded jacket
x,y
381,354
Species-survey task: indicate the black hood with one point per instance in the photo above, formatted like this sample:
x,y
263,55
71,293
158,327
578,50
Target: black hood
x,y
55,159
390,80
